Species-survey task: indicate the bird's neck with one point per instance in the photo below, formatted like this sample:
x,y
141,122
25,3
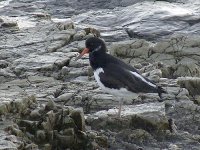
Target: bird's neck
x,y
97,59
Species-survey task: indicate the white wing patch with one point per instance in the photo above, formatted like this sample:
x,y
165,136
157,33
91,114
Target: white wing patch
x,y
143,79
122,92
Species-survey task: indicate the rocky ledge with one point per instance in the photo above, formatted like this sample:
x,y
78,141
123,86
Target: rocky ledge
x,y
50,101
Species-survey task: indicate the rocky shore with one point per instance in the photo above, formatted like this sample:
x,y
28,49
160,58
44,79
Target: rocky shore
x,y
50,101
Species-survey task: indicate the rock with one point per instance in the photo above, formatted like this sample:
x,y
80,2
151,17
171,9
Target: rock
x,y
40,136
47,147
92,31
192,84
139,136
50,122
67,24
9,24
30,126
65,141
65,97
101,141
3,109
31,146
78,116
131,49
198,100
4,64
51,105
35,114
79,35
41,15
173,147
146,116
8,145
15,131
145,24
46,62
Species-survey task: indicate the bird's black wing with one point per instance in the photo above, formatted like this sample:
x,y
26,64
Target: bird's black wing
x,y
116,76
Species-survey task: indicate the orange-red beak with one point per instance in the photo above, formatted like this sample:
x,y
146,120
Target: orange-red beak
x,y
85,51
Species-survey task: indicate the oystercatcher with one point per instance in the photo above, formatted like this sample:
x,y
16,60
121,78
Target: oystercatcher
x,y
114,76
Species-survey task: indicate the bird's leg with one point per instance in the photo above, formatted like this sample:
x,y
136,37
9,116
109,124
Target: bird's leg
x,y
120,107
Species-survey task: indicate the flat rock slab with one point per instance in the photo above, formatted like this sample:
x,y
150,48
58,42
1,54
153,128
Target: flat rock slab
x,y
149,116
130,110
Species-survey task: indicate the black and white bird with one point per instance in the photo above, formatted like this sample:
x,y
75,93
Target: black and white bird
x,y
114,76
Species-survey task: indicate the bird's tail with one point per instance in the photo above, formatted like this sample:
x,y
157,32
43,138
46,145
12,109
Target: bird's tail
x,y
160,91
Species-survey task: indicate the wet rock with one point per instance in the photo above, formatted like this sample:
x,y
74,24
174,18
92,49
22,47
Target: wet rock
x,y
192,84
145,24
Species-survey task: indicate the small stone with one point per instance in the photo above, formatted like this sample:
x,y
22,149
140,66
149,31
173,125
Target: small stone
x,y
65,141
50,121
40,135
65,97
30,126
47,147
102,141
3,63
92,31
42,15
1,20
51,105
78,116
3,109
79,35
197,100
69,131
9,24
65,70
35,114
65,25
31,146
174,147
192,84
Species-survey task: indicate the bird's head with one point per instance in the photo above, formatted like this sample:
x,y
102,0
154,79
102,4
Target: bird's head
x,y
93,44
